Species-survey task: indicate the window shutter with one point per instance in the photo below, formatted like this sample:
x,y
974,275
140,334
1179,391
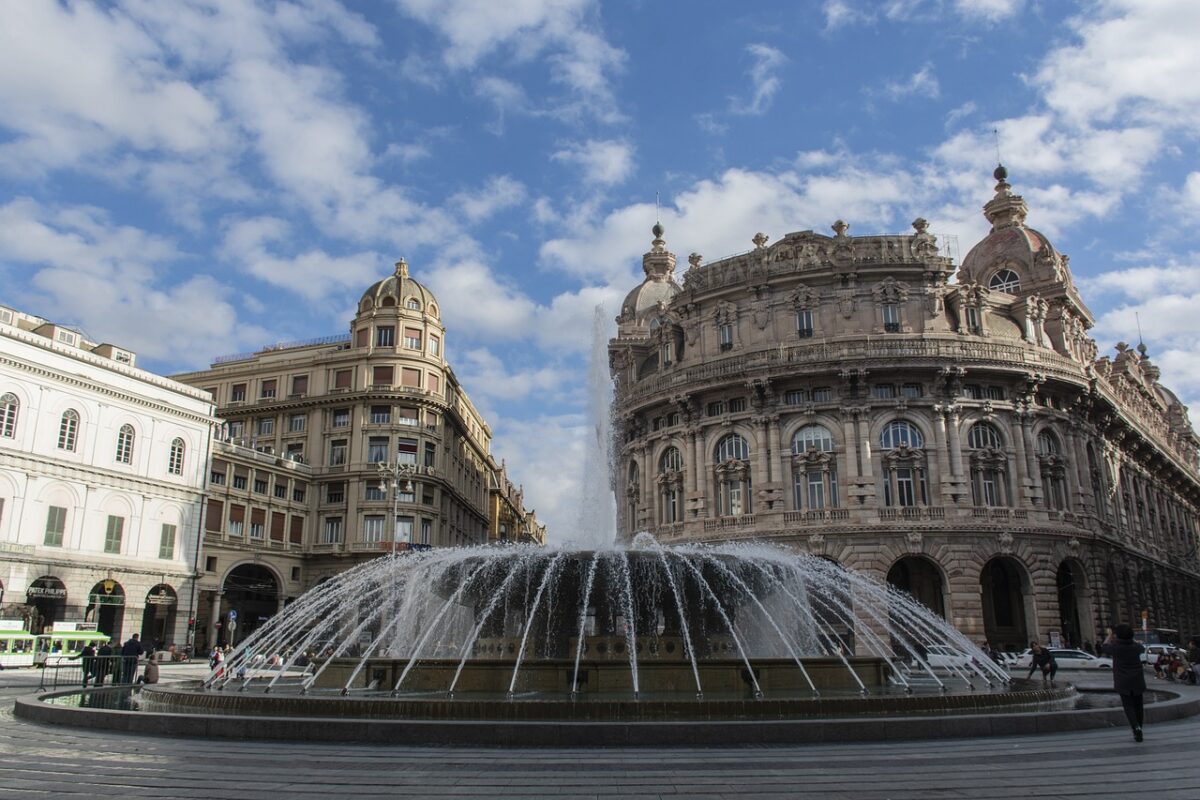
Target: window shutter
x,y
411,378
277,520
297,533
213,519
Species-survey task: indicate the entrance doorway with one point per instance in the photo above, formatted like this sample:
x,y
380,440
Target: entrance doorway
x,y
48,597
106,608
251,597
1005,586
158,620
922,580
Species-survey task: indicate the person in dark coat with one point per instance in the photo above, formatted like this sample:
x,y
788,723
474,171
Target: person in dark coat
x,y
104,661
1129,680
88,662
131,651
1041,658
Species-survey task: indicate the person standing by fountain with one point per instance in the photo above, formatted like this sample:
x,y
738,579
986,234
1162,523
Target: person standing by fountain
x,y
1128,679
1041,658
131,651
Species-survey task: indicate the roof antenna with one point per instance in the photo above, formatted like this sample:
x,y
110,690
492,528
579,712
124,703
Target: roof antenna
x,y
996,138
657,214
1141,344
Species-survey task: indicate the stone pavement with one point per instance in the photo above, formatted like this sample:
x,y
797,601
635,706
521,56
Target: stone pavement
x,y
40,760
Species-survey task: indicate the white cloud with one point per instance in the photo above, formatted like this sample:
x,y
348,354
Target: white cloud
x,y
491,379
960,113
499,193
990,10
605,162
922,83
76,267
839,13
485,306
764,80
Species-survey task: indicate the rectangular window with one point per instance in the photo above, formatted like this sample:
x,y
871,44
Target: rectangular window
x,y
725,334
430,454
374,492
277,521
341,378
804,323
737,404
332,531
214,516
372,530
166,542
404,529
335,493
435,345
427,495
56,523
883,391
299,385
407,493
113,533
911,390
383,376
973,391
406,450
715,409
266,426
298,493
385,336
816,491
794,398
993,392
281,490
412,338
216,478
297,423
210,563
268,389
891,318
337,452
340,417
905,496
426,531
296,534
377,449
435,383
237,519
240,481
362,337
258,523
410,378
381,415
295,452
408,416
973,325
238,393
235,429
260,485
822,394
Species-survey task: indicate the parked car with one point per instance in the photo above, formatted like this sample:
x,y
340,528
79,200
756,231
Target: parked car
x,y
1067,659
940,655
1153,651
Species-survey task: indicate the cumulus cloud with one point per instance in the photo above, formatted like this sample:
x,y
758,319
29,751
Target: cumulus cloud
x,y
990,10
766,61
499,193
604,162
922,83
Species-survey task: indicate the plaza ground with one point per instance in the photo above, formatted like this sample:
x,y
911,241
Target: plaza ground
x,y
37,760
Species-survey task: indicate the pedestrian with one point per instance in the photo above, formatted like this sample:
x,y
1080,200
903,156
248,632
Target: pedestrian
x,y
104,660
87,661
1129,681
1041,658
131,651
151,673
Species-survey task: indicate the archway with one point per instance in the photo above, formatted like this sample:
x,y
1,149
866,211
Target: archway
x,y
48,596
250,598
1074,604
921,579
834,612
106,608
158,620
1005,587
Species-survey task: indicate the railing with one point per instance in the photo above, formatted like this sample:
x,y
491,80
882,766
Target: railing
x,y
341,338
84,671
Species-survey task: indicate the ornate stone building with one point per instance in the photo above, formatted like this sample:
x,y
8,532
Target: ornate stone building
x,y
102,469
295,492
839,395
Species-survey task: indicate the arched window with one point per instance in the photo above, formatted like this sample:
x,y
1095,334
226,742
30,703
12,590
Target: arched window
x,y
984,435
733,476
9,406
433,311
670,486
814,469
1053,469
989,466
901,433
125,439
733,447
413,304
175,460
903,461
1006,281
68,430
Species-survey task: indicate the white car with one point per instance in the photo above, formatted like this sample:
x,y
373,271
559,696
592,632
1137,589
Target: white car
x,y
1068,659
1153,651
940,655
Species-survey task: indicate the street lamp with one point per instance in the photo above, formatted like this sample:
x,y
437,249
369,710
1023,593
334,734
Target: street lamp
x,y
400,472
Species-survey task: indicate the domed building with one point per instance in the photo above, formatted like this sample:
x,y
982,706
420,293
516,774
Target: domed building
x,y
961,439
335,450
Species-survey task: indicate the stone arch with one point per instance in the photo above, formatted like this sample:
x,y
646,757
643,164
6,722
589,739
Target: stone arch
x,y
48,596
1006,586
826,421
253,591
914,416
921,578
158,618
106,607
1075,617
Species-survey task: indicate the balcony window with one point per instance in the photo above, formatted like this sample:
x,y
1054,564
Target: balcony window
x,y
238,393
891,318
299,385
377,449
240,481
332,531
725,336
268,389
406,450
337,452
340,418
383,376
335,493
408,416
381,415
297,423
342,378
435,345
266,426
804,324
412,338
385,336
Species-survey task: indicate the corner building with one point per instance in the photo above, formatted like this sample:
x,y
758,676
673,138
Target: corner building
x,y
295,490
839,395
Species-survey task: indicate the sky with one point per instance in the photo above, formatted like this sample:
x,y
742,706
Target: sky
x,y
204,177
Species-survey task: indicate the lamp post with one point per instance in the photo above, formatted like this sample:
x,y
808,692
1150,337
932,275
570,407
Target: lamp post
x,y
400,471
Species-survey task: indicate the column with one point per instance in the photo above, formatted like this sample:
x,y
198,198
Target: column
x,y
1071,456
702,476
761,467
214,618
954,438
1024,484
779,474
850,440
1035,472
942,454
863,419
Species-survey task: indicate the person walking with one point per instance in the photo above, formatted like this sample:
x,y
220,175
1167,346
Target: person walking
x,y
87,662
104,660
131,651
1041,658
1129,681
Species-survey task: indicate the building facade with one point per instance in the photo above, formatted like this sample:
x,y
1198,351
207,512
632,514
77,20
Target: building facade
x,y
102,469
962,440
297,493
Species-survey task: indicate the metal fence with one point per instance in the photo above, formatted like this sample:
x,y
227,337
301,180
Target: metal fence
x,y
63,671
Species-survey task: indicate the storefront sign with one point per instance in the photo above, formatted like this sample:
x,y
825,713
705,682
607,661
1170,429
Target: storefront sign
x,y
52,592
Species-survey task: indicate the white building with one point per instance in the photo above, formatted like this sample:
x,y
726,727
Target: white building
x,y
102,475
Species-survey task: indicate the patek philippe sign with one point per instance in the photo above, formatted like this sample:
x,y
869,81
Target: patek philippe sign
x,y
55,592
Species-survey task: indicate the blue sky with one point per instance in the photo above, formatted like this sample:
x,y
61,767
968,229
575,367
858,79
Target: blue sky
x,y
204,177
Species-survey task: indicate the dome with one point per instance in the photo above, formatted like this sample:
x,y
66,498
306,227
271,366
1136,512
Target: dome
x,y
398,289
647,296
1006,247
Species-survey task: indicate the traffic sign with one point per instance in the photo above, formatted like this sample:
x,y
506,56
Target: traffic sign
x,y
233,613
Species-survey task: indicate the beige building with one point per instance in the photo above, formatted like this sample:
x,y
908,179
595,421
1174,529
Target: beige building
x,y
839,395
296,488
